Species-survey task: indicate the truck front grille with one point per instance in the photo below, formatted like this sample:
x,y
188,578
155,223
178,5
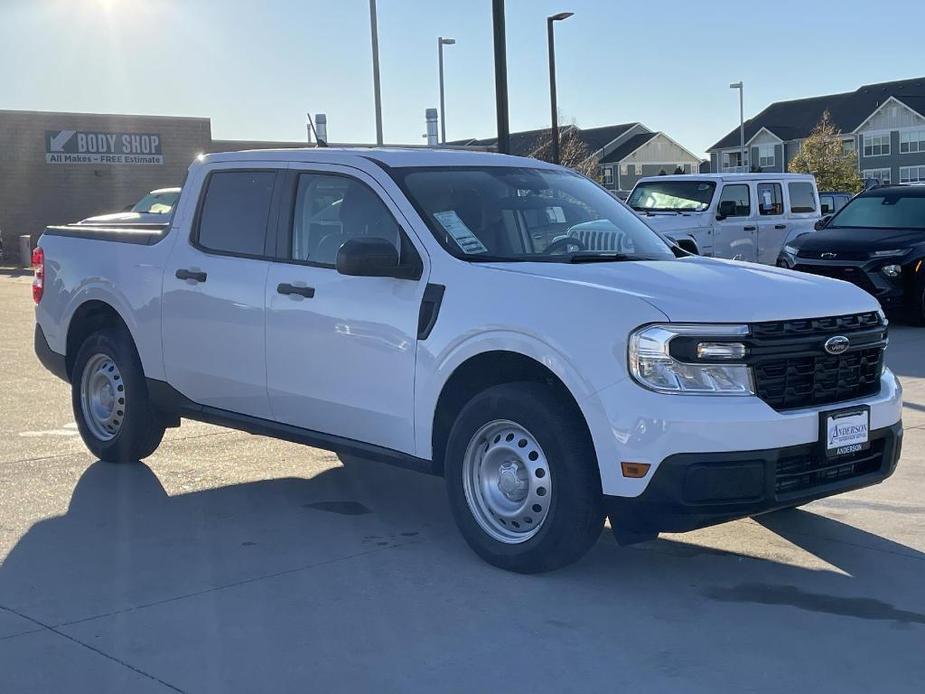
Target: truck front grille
x,y
792,369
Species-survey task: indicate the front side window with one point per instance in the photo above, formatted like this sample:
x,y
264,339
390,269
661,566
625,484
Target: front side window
x,y
330,210
234,213
876,145
766,156
672,196
770,199
887,210
802,198
496,213
826,203
912,141
735,201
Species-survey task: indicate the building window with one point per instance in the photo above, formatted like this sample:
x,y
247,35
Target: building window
x,y
848,145
881,175
912,141
877,145
732,161
912,174
608,175
766,156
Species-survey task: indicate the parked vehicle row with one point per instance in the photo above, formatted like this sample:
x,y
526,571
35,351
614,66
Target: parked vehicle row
x,y
738,216
877,242
500,321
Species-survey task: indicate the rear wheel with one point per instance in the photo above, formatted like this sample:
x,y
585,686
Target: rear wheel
x,y
522,479
110,399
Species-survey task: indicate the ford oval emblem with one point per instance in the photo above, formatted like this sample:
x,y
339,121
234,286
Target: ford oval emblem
x,y
836,345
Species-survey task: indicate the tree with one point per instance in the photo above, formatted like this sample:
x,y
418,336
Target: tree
x,y
823,155
573,152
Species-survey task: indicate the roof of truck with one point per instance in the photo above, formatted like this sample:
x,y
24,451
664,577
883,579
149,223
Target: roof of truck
x,y
387,156
731,177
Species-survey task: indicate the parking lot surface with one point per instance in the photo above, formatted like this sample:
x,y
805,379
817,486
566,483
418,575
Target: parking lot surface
x,y
233,563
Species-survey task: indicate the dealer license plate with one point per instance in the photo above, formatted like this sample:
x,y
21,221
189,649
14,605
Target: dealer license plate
x,y
846,432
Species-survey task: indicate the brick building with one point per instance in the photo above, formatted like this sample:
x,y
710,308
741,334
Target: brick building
x,y
61,167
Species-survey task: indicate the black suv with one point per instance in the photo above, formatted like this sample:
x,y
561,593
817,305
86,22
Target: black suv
x,y
876,241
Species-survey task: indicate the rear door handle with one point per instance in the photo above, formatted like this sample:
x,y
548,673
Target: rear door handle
x,y
307,292
196,276
750,228
780,226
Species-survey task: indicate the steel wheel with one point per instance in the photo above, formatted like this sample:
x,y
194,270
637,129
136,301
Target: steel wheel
x,y
102,397
506,481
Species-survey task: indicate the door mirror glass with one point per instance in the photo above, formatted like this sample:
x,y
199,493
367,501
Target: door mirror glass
x,y
727,208
368,257
823,223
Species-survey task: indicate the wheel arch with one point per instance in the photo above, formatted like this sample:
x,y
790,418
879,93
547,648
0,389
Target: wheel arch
x,y
484,370
89,317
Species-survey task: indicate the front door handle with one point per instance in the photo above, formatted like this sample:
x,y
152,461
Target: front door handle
x,y
750,228
307,292
780,226
196,276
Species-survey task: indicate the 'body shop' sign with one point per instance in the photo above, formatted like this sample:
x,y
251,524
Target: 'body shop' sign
x,y
79,147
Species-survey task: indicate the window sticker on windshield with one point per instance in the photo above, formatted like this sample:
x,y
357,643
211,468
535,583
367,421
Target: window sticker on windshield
x,y
555,215
467,241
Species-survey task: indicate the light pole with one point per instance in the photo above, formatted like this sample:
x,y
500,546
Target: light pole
x,y
501,109
374,32
441,42
739,86
550,35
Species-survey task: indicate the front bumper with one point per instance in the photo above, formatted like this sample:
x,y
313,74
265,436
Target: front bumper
x,y
866,274
694,490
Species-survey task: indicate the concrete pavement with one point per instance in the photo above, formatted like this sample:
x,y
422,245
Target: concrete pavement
x,y
233,563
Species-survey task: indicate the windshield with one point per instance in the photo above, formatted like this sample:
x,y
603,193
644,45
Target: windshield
x,y
507,213
693,196
887,210
157,203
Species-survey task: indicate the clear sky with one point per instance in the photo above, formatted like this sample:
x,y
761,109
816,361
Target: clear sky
x,y
255,67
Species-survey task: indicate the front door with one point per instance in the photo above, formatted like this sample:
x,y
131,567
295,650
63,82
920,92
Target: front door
x,y
214,292
773,225
735,234
341,349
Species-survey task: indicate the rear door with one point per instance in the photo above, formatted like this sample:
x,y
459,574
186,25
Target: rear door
x,y
214,318
773,225
735,234
341,349
802,208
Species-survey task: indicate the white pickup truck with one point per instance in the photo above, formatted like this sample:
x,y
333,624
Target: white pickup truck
x,y
746,217
499,321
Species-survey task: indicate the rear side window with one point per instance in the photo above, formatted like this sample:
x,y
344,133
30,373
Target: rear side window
x,y
826,203
734,201
234,213
770,199
801,197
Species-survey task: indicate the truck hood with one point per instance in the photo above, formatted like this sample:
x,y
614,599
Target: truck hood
x,y
835,240
712,290
667,222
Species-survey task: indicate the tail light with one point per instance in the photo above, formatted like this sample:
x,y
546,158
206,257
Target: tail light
x,y
38,279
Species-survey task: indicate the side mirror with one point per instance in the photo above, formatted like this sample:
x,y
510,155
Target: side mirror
x,y
369,257
727,208
822,223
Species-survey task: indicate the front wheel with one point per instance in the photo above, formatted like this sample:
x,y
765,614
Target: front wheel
x,y
110,399
522,479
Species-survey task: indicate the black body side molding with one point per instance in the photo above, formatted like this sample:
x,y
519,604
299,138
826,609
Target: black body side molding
x,y
430,309
50,359
172,402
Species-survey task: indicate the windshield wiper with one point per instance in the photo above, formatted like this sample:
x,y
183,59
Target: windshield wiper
x,y
603,257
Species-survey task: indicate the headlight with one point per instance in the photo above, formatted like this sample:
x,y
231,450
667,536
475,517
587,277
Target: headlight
x,y
791,250
653,366
888,253
892,271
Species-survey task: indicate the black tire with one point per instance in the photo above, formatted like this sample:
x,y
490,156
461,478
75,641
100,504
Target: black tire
x,y
141,426
575,515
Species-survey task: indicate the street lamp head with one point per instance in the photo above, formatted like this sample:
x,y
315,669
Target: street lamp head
x,y
735,85
559,17
447,42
